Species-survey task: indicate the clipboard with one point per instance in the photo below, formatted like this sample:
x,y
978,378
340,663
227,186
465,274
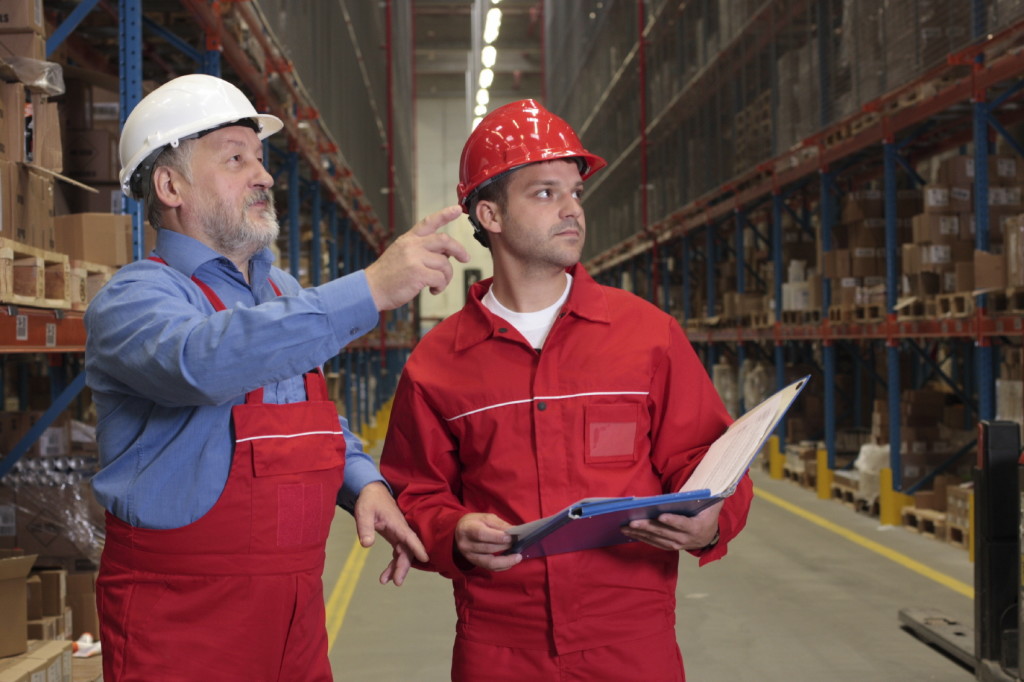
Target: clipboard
x,y
595,522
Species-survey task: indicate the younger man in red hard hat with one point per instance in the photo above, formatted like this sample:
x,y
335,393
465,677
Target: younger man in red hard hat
x,y
544,389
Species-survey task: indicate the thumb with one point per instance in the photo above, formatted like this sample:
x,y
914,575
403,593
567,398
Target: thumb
x,y
365,530
435,221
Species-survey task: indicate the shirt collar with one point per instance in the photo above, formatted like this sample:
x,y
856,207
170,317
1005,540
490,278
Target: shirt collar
x,y
187,255
476,323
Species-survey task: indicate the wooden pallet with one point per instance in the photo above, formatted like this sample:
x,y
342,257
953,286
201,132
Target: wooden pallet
x,y
34,277
841,314
867,505
960,304
863,121
869,313
927,522
845,490
86,280
958,536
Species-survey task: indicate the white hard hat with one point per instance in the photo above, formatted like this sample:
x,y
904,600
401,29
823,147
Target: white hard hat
x,y
177,110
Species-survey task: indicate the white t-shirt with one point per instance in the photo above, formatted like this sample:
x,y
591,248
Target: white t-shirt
x,y
533,326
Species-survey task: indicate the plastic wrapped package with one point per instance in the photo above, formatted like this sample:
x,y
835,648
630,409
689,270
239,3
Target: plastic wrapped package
x,y
37,75
50,506
61,522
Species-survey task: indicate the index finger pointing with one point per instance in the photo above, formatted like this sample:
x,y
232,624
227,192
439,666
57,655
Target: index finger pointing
x,y
433,222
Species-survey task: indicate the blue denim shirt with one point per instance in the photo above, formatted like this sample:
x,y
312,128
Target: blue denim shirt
x,y
165,370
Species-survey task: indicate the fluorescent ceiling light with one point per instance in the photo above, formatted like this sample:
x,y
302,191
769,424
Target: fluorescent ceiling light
x,y
486,78
480,110
476,121
483,97
492,25
488,56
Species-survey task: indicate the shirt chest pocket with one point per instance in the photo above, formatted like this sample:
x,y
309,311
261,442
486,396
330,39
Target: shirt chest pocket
x,y
611,434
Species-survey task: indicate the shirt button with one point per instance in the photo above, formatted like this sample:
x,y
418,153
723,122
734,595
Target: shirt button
x,y
542,406
502,330
354,331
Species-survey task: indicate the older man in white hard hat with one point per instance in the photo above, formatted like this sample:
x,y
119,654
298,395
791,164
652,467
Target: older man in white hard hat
x,y
222,456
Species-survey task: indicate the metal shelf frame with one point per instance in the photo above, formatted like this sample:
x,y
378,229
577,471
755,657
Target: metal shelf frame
x,y
880,141
355,234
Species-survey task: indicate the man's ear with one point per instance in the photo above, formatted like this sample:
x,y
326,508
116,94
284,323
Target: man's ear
x,y
489,216
167,186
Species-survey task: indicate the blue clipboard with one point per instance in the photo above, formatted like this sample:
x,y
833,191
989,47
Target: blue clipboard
x,y
593,523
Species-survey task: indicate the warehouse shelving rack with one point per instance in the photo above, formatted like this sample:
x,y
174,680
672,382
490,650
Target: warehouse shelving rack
x,y
973,92
322,187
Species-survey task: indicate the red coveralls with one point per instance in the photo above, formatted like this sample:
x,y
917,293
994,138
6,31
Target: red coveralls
x,y
238,594
616,404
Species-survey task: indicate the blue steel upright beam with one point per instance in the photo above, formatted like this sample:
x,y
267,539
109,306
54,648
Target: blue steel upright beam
x,y
889,152
984,353
68,26
129,32
315,257
827,205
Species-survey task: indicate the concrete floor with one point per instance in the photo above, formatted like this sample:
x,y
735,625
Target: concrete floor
x,y
810,590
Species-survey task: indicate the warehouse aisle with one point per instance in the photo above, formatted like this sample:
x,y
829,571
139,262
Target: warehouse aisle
x,y
810,591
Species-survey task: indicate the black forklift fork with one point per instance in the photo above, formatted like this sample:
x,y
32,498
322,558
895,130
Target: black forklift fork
x,y
992,646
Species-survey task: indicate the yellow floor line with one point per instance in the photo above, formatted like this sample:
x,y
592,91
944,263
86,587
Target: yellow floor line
x,y
890,554
341,595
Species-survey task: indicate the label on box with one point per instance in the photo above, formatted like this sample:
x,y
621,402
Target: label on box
x,y
1006,167
959,194
949,225
936,197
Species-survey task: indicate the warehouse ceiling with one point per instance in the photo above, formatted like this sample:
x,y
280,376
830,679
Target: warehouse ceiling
x,y
443,38
442,34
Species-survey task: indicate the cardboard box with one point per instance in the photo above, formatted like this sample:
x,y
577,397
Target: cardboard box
x,y
58,656
20,16
12,133
34,590
989,270
935,228
23,44
14,604
38,227
95,237
55,591
82,600
91,156
106,199
47,627
45,149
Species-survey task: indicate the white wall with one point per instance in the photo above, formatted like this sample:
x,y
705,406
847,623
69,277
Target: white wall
x,y
441,131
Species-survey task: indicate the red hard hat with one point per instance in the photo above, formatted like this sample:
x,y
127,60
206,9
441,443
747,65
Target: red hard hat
x,y
514,135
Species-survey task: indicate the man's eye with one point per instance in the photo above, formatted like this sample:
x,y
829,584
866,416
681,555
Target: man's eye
x,y
544,193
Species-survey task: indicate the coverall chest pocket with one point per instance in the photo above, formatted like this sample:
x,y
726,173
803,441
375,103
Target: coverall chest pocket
x,y
295,483
611,434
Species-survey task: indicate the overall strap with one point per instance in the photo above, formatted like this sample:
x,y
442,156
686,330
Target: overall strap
x,y
316,385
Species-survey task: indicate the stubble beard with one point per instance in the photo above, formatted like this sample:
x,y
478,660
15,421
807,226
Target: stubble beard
x,y
242,235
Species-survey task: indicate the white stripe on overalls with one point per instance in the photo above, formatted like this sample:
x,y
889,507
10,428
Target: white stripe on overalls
x,y
545,397
291,435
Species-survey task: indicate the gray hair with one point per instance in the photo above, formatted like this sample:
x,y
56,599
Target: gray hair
x,y
177,158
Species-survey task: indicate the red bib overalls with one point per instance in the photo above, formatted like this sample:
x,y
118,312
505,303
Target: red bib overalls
x,y
237,594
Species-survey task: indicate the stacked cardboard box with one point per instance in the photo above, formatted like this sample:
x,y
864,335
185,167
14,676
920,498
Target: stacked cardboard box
x,y
857,260
942,257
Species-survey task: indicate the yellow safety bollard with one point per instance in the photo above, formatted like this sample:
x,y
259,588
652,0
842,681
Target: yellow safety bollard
x,y
891,502
776,460
824,476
